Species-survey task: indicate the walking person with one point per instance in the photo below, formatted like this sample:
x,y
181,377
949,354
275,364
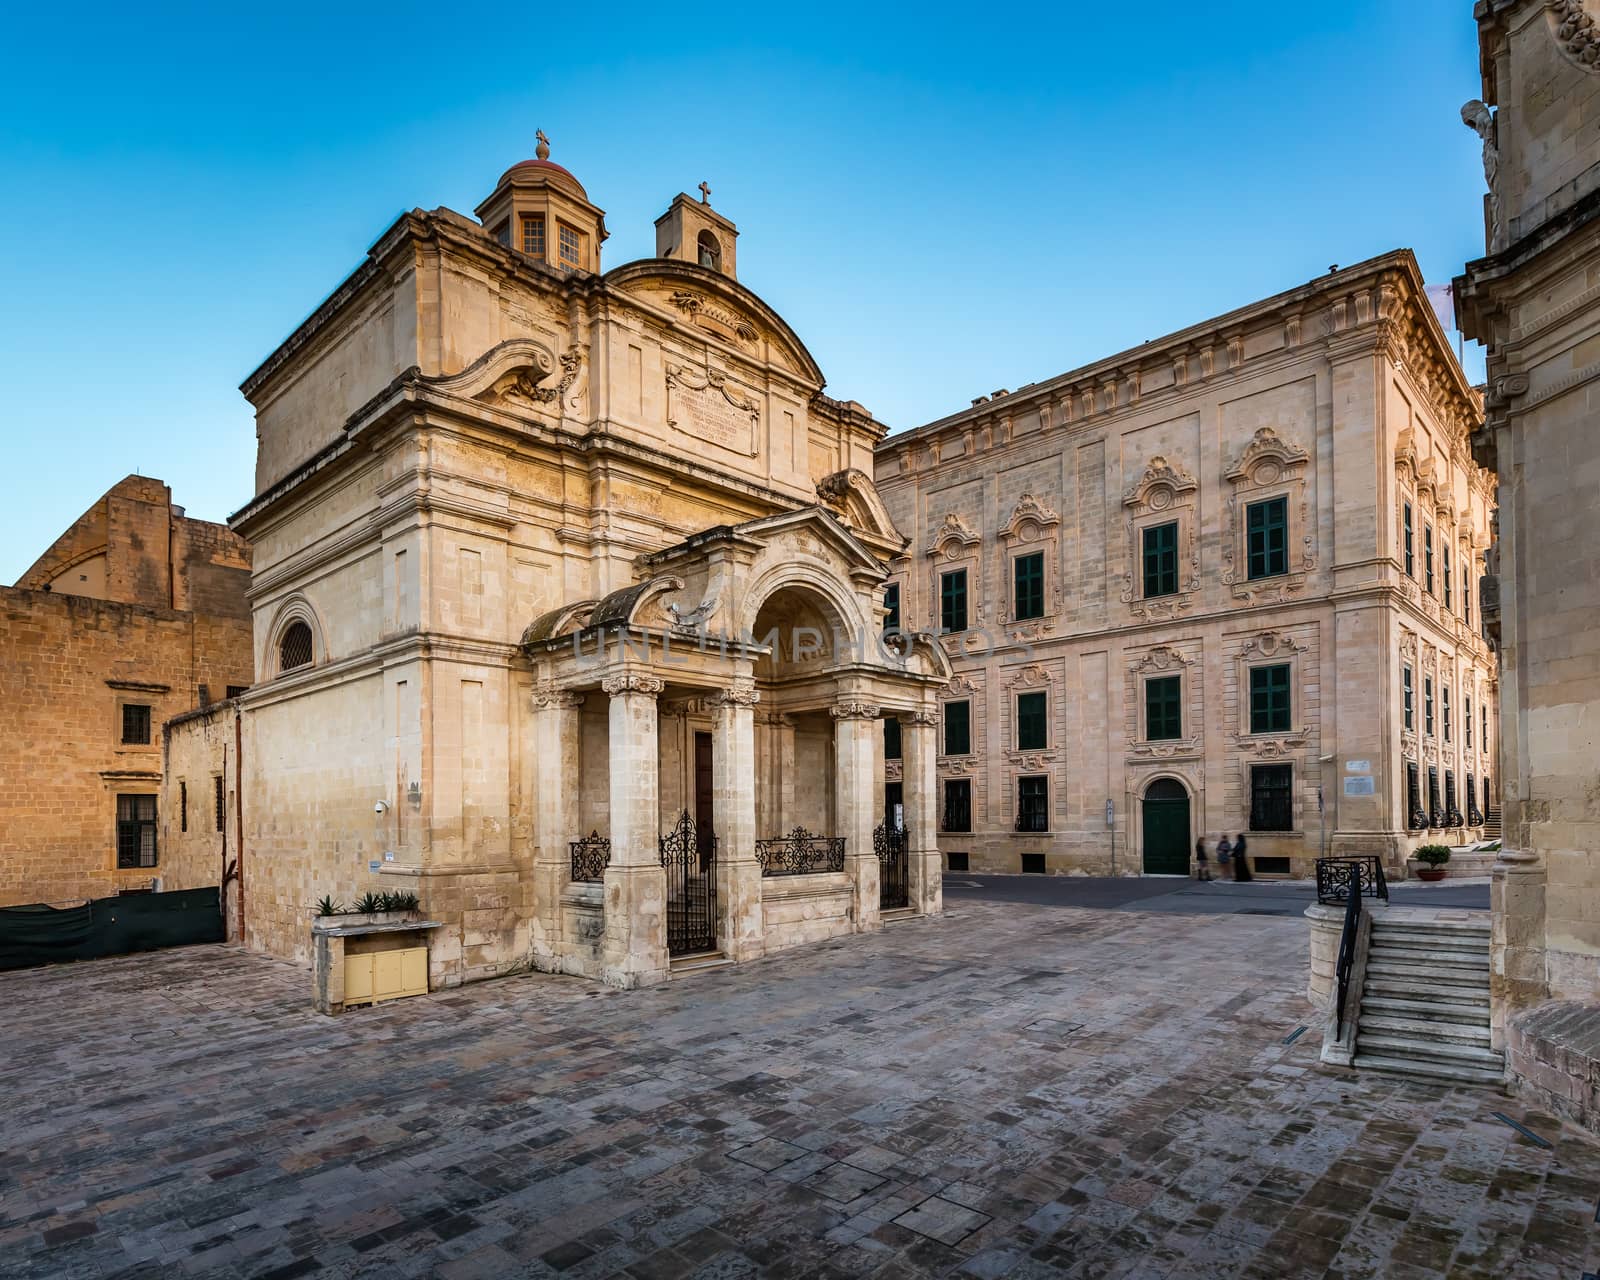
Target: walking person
x,y
1241,867
1224,852
1202,871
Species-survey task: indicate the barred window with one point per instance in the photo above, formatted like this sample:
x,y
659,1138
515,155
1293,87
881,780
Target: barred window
x,y
1416,819
136,831
219,801
1161,560
294,650
1435,814
1032,804
136,723
1271,797
183,806
957,805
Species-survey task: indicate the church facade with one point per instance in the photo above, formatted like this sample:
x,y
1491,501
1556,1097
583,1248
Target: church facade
x,y
567,594
1225,582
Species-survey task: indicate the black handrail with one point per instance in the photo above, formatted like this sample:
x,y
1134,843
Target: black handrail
x,y
1334,878
1347,947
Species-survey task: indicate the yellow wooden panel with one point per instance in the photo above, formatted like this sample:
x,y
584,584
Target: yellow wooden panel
x,y
414,971
386,973
357,978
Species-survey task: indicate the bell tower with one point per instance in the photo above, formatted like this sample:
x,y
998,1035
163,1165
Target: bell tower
x,y
541,210
692,231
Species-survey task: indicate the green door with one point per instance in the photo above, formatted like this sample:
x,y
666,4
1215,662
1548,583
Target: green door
x,y
1166,829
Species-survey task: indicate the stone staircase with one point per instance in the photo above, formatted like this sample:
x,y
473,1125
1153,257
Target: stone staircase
x,y
1491,825
1425,1002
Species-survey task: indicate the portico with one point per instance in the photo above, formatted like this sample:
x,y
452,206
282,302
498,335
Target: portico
x,y
720,738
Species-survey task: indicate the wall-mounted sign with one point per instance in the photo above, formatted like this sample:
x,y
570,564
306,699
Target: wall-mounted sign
x,y
374,866
1358,766
1111,813
1359,787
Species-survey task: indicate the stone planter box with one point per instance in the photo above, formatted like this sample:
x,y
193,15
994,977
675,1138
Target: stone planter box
x,y
361,938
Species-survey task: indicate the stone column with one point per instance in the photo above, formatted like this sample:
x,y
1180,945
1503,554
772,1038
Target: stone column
x,y
858,739
919,748
556,748
733,797
635,950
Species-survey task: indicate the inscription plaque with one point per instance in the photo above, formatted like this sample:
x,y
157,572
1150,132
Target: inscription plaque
x,y
711,408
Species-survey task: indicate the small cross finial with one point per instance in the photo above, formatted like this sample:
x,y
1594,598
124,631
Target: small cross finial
x,y
705,193
543,149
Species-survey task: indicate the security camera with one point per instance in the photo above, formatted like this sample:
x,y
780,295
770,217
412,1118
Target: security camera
x,y
380,807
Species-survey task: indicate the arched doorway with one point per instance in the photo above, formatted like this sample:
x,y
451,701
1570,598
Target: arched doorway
x,y
1166,828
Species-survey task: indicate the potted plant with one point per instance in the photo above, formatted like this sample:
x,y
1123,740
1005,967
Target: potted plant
x,y
1433,857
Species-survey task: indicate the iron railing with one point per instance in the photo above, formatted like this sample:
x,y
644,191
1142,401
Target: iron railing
x,y
894,874
590,857
800,853
1336,876
689,855
1347,940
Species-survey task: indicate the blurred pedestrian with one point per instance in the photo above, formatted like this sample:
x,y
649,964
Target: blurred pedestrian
x,y
1202,869
1241,865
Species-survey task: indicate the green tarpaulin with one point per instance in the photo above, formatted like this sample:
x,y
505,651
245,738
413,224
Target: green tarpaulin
x,y
36,935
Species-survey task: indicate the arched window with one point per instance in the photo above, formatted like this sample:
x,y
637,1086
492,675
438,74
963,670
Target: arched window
x,y
710,251
294,649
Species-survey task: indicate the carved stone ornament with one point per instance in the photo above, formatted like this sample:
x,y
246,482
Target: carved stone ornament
x,y
1576,32
1030,677
630,682
925,718
1266,450
1029,519
742,693
1162,658
962,684
549,696
524,384
1159,486
693,619
710,315
1270,644
854,711
953,536
709,406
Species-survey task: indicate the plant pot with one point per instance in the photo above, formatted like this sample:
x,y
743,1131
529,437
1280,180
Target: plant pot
x,y
1430,874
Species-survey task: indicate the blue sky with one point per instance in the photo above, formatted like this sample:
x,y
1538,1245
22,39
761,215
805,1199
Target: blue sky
x,y
940,203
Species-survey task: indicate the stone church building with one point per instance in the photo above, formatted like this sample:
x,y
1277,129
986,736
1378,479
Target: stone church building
x,y
567,596
1224,582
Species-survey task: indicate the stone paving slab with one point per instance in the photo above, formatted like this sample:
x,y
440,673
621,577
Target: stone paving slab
x,y
1009,1091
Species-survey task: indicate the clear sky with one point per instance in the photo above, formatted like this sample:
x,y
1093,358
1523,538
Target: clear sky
x,y
941,201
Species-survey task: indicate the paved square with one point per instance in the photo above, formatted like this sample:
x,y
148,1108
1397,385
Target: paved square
x,y
1013,1090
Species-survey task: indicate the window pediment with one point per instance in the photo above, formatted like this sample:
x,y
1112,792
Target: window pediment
x,y
1029,520
1160,487
954,536
1266,459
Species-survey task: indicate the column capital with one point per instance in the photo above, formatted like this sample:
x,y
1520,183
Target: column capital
x,y
923,716
742,693
851,710
550,696
632,682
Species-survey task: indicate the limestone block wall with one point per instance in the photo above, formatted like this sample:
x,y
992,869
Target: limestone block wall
x,y
68,664
199,818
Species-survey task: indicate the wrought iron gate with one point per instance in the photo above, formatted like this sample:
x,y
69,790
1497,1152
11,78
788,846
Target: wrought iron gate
x,y
690,859
894,874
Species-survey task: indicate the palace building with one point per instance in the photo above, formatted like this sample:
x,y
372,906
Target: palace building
x,y
1223,582
567,595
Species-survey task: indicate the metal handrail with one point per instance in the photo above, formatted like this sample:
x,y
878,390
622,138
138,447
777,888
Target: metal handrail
x,y
1347,946
1336,877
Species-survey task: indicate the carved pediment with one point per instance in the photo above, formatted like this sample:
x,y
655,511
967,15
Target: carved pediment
x,y
1265,458
1160,486
1029,519
715,316
851,495
521,372
1032,676
1271,644
1405,459
954,534
1162,658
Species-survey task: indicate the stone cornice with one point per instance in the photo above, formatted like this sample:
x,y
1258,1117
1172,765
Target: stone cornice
x,y
1348,301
